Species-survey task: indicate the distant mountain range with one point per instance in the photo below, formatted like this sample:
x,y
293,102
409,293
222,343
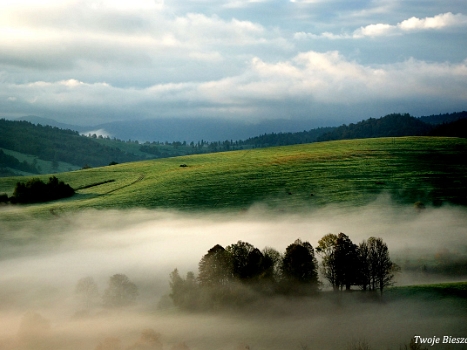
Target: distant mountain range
x,y
181,129
50,146
210,130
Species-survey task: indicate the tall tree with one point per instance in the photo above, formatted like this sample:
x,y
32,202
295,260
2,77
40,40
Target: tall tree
x,y
272,264
326,249
364,269
247,261
300,268
215,268
184,292
339,260
346,261
380,265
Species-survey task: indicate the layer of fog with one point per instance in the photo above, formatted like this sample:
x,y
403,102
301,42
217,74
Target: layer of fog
x,y
42,260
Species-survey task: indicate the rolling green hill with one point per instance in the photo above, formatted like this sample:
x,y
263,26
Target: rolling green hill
x,y
346,173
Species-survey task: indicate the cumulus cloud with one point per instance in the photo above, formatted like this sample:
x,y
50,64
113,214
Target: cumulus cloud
x,y
438,22
105,60
328,78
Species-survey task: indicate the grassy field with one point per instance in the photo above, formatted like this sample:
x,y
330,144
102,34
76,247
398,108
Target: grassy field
x,y
344,173
435,291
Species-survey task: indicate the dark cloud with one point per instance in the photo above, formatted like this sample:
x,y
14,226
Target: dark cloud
x,y
239,60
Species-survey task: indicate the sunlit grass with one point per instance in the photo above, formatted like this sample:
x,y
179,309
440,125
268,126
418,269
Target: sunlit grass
x,y
346,173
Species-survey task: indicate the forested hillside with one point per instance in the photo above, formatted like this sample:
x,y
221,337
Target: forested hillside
x,y
443,118
54,144
457,128
392,125
395,125
286,138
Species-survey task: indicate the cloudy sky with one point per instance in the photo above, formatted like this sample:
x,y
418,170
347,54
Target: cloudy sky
x,y
331,61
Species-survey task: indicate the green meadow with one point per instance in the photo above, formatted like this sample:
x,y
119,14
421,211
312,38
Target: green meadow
x,y
427,170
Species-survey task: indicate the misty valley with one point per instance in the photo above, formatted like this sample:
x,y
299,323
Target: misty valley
x,y
233,175
106,280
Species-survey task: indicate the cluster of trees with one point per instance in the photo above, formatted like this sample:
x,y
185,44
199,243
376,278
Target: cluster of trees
x,y
232,275
120,292
345,264
235,274
36,191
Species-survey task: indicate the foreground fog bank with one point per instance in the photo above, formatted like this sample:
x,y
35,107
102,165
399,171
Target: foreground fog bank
x,y
42,262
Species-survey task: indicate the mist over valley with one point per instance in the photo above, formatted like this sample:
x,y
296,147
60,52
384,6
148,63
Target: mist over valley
x,y
42,261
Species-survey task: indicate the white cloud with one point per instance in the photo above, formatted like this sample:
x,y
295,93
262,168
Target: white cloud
x,y
324,78
374,30
438,22
195,29
91,32
241,3
145,58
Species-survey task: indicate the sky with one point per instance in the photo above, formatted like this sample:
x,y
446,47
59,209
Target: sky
x,y
86,62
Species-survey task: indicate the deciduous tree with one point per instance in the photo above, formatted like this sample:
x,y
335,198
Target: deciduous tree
x,y
381,267
120,291
299,268
215,268
247,261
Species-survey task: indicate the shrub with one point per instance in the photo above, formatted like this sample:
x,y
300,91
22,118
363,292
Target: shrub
x,y
36,191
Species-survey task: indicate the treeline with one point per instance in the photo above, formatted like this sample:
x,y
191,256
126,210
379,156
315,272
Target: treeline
x,y
456,128
392,125
239,273
286,138
37,191
444,118
396,125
